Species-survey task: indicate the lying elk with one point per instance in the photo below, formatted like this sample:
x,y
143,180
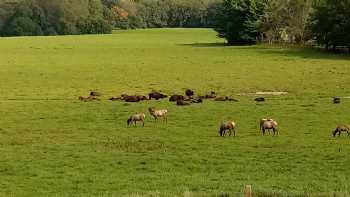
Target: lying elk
x,y
176,97
89,98
161,113
189,93
228,125
340,129
268,124
156,95
94,93
137,118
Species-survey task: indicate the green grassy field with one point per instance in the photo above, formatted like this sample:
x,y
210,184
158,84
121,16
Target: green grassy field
x,y
53,145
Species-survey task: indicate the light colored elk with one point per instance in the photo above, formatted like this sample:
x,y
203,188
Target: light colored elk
x,y
159,113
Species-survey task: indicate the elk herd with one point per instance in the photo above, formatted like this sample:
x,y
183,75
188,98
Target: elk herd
x,y
226,128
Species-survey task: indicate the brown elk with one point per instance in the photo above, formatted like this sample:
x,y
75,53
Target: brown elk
x,y
156,95
228,125
140,117
340,129
267,124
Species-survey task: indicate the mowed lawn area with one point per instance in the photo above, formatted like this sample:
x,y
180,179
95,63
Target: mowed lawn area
x,y
52,144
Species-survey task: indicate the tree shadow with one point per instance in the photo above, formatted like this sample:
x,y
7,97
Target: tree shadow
x,y
305,53
217,44
289,51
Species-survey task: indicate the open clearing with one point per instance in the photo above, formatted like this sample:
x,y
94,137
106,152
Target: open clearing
x,y
53,145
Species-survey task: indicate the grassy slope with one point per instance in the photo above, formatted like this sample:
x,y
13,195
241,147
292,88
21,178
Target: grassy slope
x,y
53,144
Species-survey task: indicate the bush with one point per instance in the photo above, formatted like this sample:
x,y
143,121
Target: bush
x,y
94,26
23,26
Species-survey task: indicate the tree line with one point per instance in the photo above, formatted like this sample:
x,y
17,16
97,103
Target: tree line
x,y
127,14
53,17
62,17
322,22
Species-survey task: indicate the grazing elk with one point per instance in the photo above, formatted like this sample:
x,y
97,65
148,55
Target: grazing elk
x,y
340,129
269,124
140,117
161,113
228,125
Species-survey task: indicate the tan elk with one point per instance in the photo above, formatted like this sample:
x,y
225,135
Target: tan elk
x,y
269,124
140,117
228,125
159,113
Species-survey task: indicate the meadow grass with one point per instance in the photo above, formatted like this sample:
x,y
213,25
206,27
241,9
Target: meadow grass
x,y
53,145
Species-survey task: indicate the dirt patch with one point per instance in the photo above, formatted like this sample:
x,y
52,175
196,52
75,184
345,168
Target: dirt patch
x,y
271,93
263,93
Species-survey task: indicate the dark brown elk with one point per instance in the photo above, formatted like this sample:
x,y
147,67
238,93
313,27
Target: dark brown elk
x,y
140,117
94,93
232,99
142,97
182,103
156,95
341,129
189,93
175,98
132,99
228,125
259,99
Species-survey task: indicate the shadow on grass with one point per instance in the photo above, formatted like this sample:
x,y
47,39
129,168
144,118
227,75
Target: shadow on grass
x,y
292,51
306,53
217,44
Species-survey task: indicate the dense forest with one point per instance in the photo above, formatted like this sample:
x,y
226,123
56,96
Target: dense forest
x,y
322,22
43,17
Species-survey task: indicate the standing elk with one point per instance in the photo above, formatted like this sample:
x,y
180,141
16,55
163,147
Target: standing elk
x,y
228,125
268,124
140,117
161,113
340,129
